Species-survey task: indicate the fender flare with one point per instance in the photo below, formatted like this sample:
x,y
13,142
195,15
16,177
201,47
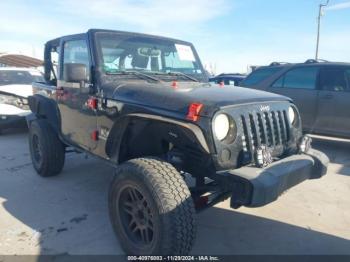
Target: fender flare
x,y
118,131
43,107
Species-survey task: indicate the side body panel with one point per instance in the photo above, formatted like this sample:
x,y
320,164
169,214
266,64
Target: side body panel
x,y
78,121
305,100
305,97
334,101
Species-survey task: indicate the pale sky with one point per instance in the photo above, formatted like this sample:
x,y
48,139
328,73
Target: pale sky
x,y
230,34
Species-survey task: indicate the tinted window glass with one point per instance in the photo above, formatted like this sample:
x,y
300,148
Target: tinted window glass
x,y
54,61
225,80
76,51
13,77
347,78
300,78
334,79
279,82
216,80
259,75
152,55
172,60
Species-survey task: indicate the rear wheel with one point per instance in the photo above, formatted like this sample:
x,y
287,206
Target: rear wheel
x,y
46,149
151,208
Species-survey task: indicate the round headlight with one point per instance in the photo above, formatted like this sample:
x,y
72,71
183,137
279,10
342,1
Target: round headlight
x,y
221,126
291,114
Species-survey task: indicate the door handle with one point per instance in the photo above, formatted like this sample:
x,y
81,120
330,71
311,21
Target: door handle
x,y
327,96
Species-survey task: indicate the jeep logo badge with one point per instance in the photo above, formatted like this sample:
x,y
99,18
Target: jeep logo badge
x,y
265,108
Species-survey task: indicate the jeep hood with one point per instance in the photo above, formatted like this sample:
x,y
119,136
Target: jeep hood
x,y
163,96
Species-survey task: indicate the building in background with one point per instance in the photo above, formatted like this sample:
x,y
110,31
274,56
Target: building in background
x,y
15,60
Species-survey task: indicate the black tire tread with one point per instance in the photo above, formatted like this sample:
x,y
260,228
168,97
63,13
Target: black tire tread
x,y
174,201
53,148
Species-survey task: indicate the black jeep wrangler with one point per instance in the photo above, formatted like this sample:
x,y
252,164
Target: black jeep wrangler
x,y
143,104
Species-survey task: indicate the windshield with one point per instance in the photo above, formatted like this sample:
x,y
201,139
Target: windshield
x,y
259,75
19,77
120,53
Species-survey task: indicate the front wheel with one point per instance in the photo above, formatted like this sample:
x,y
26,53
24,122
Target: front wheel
x,y
151,208
46,149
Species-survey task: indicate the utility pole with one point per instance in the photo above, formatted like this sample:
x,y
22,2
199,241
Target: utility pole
x,y
320,13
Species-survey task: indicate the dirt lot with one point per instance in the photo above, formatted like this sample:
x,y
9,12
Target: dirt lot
x,y
68,213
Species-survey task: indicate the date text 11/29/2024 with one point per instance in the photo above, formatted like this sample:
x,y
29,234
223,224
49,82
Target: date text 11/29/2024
x,y
173,258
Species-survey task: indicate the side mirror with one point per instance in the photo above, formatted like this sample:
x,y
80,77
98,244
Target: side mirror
x,y
75,73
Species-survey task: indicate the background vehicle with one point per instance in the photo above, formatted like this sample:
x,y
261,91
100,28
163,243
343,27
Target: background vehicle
x,y
15,87
228,79
143,104
320,89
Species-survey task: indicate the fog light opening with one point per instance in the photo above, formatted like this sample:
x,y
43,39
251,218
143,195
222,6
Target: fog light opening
x,y
263,157
305,144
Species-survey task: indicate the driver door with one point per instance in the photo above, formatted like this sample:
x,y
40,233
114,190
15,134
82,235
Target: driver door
x,y
300,84
334,100
78,121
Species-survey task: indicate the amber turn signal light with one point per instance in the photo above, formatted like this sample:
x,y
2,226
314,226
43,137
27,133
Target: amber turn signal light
x,y
193,111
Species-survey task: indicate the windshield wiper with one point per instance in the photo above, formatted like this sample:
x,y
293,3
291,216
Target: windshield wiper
x,y
136,73
183,74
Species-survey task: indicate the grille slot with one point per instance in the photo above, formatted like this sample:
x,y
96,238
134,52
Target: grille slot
x,y
248,141
286,121
276,128
267,128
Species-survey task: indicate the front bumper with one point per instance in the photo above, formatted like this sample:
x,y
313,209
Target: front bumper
x,y
12,116
254,187
8,121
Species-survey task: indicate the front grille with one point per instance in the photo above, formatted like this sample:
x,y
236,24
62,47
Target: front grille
x,y
265,128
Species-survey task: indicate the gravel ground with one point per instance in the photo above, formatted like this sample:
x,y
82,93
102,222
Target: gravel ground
x,y
68,213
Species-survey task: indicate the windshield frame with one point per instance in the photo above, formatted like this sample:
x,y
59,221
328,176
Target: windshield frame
x,y
202,77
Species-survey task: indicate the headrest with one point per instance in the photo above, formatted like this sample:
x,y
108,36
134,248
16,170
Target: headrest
x,y
139,61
